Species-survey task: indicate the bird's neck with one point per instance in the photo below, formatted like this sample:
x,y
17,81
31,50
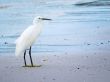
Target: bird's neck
x,y
38,24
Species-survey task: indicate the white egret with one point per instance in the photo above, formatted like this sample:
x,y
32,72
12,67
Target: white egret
x,y
28,37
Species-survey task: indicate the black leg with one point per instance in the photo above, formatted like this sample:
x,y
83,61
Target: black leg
x,y
25,58
30,57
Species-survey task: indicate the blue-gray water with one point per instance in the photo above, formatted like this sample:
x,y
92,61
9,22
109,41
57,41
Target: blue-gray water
x,y
77,25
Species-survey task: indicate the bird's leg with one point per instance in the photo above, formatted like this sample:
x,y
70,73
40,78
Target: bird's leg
x,y
30,57
25,58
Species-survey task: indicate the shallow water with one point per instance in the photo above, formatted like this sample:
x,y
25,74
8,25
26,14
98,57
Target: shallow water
x,y
75,27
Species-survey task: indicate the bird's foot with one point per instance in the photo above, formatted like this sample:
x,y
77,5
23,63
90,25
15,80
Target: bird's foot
x,y
32,66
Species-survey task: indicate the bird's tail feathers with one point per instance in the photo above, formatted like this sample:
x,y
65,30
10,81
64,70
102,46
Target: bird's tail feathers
x,y
18,53
18,50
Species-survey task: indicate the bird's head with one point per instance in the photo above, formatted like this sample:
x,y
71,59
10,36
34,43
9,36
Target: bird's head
x,y
39,18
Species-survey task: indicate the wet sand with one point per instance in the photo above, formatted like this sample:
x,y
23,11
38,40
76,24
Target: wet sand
x,y
68,67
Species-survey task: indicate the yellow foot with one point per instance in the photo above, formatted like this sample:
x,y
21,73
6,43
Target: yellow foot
x,y
32,66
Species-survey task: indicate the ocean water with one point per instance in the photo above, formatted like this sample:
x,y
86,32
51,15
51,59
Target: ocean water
x,y
76,26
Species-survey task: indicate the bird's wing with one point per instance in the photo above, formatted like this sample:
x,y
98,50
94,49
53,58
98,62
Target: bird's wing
x,y
16,40
22,43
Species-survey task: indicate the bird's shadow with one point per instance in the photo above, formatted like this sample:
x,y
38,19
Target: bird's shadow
x,y
32,66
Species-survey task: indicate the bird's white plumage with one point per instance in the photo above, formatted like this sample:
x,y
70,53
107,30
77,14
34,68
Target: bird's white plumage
x,y
28,37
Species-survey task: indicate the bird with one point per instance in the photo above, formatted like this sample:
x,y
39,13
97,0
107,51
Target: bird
x,y
28,38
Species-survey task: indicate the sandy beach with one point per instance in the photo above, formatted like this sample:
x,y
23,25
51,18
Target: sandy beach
x,y
82,67
73,47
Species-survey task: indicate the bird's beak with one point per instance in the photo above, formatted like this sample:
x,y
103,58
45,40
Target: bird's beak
x,y
46,19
